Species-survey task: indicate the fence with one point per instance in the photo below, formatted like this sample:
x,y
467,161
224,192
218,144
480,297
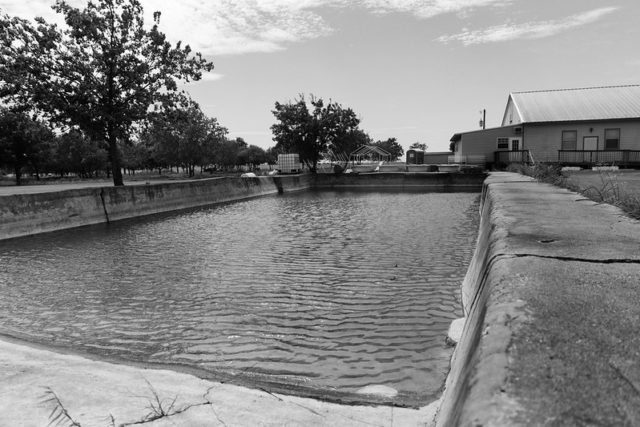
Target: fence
x,y
591,157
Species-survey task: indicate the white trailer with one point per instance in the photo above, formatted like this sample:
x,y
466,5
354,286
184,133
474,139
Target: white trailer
x,y
289,163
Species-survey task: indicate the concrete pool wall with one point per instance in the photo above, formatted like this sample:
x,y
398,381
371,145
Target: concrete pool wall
x,y
552,307
26,214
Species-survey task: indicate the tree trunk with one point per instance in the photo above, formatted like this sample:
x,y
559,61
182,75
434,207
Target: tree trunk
x,y
16,170
114,153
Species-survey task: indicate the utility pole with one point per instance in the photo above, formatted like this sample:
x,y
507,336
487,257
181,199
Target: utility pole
x,y
483,122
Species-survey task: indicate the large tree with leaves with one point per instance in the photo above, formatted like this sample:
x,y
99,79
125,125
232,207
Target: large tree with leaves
x,y
179,133
418,146
391,146
312,132
100,73
24,141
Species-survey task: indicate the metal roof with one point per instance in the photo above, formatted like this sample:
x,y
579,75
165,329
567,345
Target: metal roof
x,y
596,103
368,149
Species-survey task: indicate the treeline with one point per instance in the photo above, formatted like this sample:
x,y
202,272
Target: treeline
x,y
29,146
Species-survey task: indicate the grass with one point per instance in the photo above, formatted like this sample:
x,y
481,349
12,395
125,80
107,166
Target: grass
x,y
608,190
543,172
611,191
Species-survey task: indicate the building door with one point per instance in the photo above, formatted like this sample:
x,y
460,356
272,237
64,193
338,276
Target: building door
x,y
515,144
590,143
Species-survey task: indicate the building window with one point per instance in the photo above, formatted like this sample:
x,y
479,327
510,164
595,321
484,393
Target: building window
x,y
569,140
503,143
612,139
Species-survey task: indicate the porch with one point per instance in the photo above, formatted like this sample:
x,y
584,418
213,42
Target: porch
x,y
623,158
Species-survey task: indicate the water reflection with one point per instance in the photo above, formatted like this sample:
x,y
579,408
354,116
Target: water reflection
x,y
330,290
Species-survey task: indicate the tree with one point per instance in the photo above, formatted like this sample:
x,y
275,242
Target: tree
x,y
350,142
135,156
181,134
102,72
272,155
251,155
312,133
23,142
392,147
23,51
79,154
226,155
418,146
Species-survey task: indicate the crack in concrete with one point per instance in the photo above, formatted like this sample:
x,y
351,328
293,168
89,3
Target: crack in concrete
x,y
623,371
205,396
576,259
488,264
294,403
173,413
104,206
180,411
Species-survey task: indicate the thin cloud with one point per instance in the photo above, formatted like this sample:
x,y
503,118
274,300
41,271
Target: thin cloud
x,y
239,26
226,27
430,8
530,30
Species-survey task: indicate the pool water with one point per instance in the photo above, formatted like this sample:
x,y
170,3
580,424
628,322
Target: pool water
x,y
322,292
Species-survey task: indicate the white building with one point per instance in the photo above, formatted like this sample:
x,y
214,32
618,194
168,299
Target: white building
x,y
586,126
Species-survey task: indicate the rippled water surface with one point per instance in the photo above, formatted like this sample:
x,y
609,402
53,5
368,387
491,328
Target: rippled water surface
x,y
320,290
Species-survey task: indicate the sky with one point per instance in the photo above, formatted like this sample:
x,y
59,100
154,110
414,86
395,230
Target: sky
x,y
416,70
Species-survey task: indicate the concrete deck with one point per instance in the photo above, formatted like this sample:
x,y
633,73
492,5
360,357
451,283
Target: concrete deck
x,y
553,311
93,391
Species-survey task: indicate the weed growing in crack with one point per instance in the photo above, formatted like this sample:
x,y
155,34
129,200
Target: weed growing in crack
x,y
158,407
59,416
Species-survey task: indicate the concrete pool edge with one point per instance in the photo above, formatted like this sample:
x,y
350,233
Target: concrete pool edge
x,y
551,304
92,391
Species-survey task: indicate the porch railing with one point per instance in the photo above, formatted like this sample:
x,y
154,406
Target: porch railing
x,y
519,156
592,157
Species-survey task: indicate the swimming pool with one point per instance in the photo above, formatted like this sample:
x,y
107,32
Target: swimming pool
x,y
319,292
